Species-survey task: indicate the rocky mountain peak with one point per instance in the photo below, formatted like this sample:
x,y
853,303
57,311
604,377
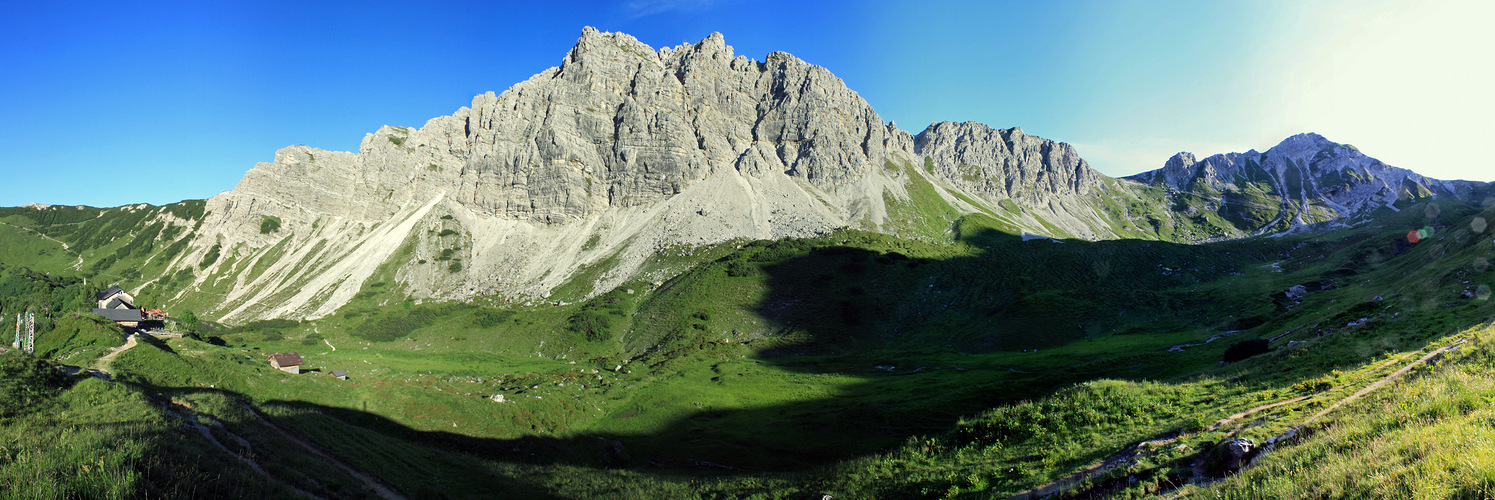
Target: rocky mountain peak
x,y
1006,163
620,152
1177,171
1302,143
1305,179
1305,138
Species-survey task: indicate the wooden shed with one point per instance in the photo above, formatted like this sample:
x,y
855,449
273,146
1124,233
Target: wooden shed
x,y
288,362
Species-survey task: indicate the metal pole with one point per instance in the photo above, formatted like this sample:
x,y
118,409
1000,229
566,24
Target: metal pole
x,y
17,343
30,332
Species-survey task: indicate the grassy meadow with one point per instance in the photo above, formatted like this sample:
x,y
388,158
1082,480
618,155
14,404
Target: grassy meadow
x,y
965,362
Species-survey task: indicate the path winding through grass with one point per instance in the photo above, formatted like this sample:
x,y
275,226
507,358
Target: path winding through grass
x,y
1074,479
76,266
104,362
384,491
1383,381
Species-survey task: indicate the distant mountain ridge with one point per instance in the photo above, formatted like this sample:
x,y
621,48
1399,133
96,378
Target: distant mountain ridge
x,y
1305,179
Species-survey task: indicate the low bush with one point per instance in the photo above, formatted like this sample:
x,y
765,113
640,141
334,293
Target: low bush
x,y
489,318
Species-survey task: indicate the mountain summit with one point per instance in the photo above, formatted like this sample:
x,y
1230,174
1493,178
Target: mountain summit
x,y
620,151
587,174
1304,180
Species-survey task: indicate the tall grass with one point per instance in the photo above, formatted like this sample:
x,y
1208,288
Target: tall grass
x,y
1427,437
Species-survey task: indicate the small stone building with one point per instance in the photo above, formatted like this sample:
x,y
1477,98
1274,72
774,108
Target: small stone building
x,y
288,362
340,374
119,306
115,297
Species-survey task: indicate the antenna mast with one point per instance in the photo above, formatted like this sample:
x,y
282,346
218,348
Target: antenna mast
x,y
30,346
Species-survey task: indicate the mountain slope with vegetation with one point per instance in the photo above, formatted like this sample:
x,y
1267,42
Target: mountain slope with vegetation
x,y
615,280
857,364
589,170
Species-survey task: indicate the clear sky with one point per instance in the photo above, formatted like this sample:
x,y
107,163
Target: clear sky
x,y
110,103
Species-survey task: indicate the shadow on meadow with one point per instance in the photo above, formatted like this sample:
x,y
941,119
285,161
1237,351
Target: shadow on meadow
x,y
926,342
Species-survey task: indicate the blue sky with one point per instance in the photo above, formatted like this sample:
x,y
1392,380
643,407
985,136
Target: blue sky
x,y
110,103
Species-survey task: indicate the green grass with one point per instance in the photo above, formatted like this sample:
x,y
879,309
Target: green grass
x,y
84,437
24,248
854,364
1427,437
924,214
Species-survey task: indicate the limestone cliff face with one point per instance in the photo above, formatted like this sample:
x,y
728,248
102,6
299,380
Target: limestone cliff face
x,y
1005,163
617,124
596,166
620,142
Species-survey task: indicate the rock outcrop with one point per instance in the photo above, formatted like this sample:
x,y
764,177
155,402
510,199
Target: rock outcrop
x,y
1005,163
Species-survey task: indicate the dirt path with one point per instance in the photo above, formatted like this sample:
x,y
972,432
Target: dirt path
x,y
1382,382
103,363
1075,478
1116,460
193,420
76,266
1067,482
383,490
1249,411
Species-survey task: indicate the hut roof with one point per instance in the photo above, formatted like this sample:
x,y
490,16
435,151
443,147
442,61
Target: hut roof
x,y
120,314
110,292
286,359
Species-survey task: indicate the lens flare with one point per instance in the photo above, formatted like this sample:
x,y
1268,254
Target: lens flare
x,y
1478,225
1426,232
1414,236
1482,293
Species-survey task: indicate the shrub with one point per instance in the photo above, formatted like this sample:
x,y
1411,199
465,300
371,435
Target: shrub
x,y
187,209
269,224
489,318
188,320
740,269
397,325
595,325
211,257
264,324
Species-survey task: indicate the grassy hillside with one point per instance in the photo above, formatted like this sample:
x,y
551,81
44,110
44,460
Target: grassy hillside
x,y
134,244
855,364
